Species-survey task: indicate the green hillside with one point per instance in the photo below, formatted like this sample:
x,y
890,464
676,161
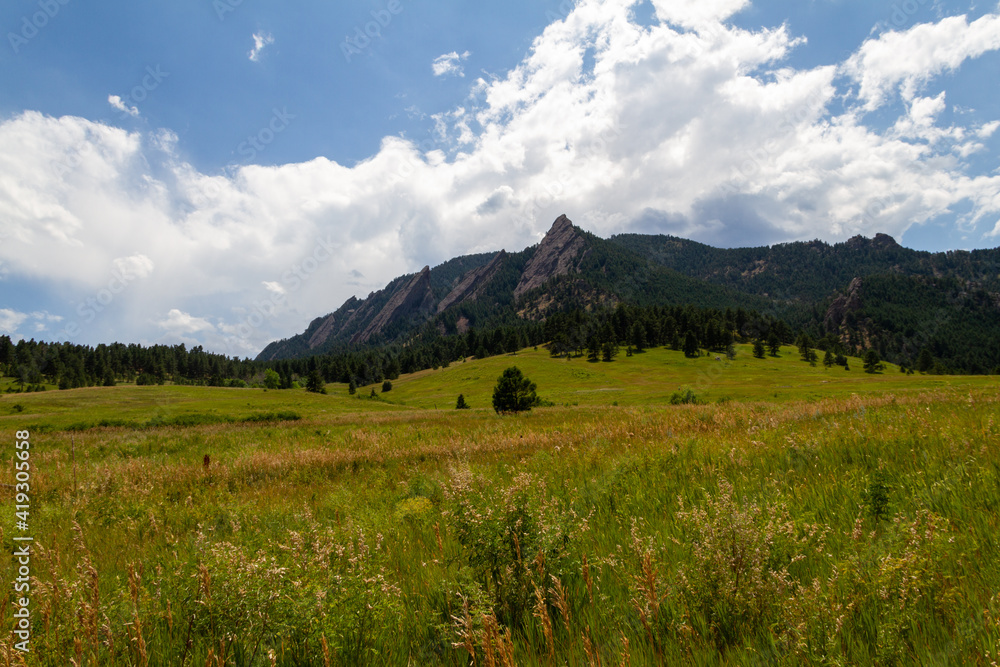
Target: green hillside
x,y
652,377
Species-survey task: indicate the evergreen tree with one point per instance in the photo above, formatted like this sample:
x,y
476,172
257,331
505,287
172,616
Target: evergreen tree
x,y
513,392
386,386
638,337
691,347
873,363
315,383
461,404
774,344
758,349
925,362
352,387
829,359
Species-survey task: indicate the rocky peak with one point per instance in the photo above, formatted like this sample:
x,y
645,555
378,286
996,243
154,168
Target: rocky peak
x,y
473,283
880,242
415,297
554,256
843,304
334,322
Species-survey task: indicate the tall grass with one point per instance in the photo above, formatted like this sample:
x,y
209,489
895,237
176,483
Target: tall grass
x,y
844,530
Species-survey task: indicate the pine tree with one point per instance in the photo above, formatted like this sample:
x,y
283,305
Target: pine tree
x,y
461,404
758,349
315,383
925,361
774,344
691,347
638,337
873,363
513,392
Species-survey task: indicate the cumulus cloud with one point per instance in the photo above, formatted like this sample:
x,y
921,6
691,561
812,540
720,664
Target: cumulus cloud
x,y
179,322
450,63
117,102
39,322
261,40
697,14
135,266
10,320
690,126
908,60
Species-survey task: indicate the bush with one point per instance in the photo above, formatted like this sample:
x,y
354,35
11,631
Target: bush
x,y
684,397
512,538
271,379
738,580
876,497
386,386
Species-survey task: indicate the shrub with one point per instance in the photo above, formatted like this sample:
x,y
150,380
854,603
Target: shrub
x,y
271,379
511,537
684,397
386,386
876,497
738,578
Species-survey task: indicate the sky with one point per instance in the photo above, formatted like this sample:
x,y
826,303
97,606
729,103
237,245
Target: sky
x,y
222,172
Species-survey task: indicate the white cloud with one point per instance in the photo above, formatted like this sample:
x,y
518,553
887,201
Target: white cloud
x,y
274,287
908,60
10,320
450,63
179,322
39,321
697,14
261,40
117,102
692,127
133,267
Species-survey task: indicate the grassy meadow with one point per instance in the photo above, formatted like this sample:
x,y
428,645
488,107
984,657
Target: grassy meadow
x,y
797,515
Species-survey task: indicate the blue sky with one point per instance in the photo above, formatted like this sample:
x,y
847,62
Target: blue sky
x,y
220,172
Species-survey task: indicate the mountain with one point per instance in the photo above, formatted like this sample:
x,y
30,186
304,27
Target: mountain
x,y
569,268
858,294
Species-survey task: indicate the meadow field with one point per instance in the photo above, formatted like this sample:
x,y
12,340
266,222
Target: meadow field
x,y
792,515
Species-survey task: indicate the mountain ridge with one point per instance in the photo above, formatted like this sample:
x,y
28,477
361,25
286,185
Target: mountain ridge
x,y
840,290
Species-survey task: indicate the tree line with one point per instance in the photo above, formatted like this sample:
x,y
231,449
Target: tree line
x,y
574,332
